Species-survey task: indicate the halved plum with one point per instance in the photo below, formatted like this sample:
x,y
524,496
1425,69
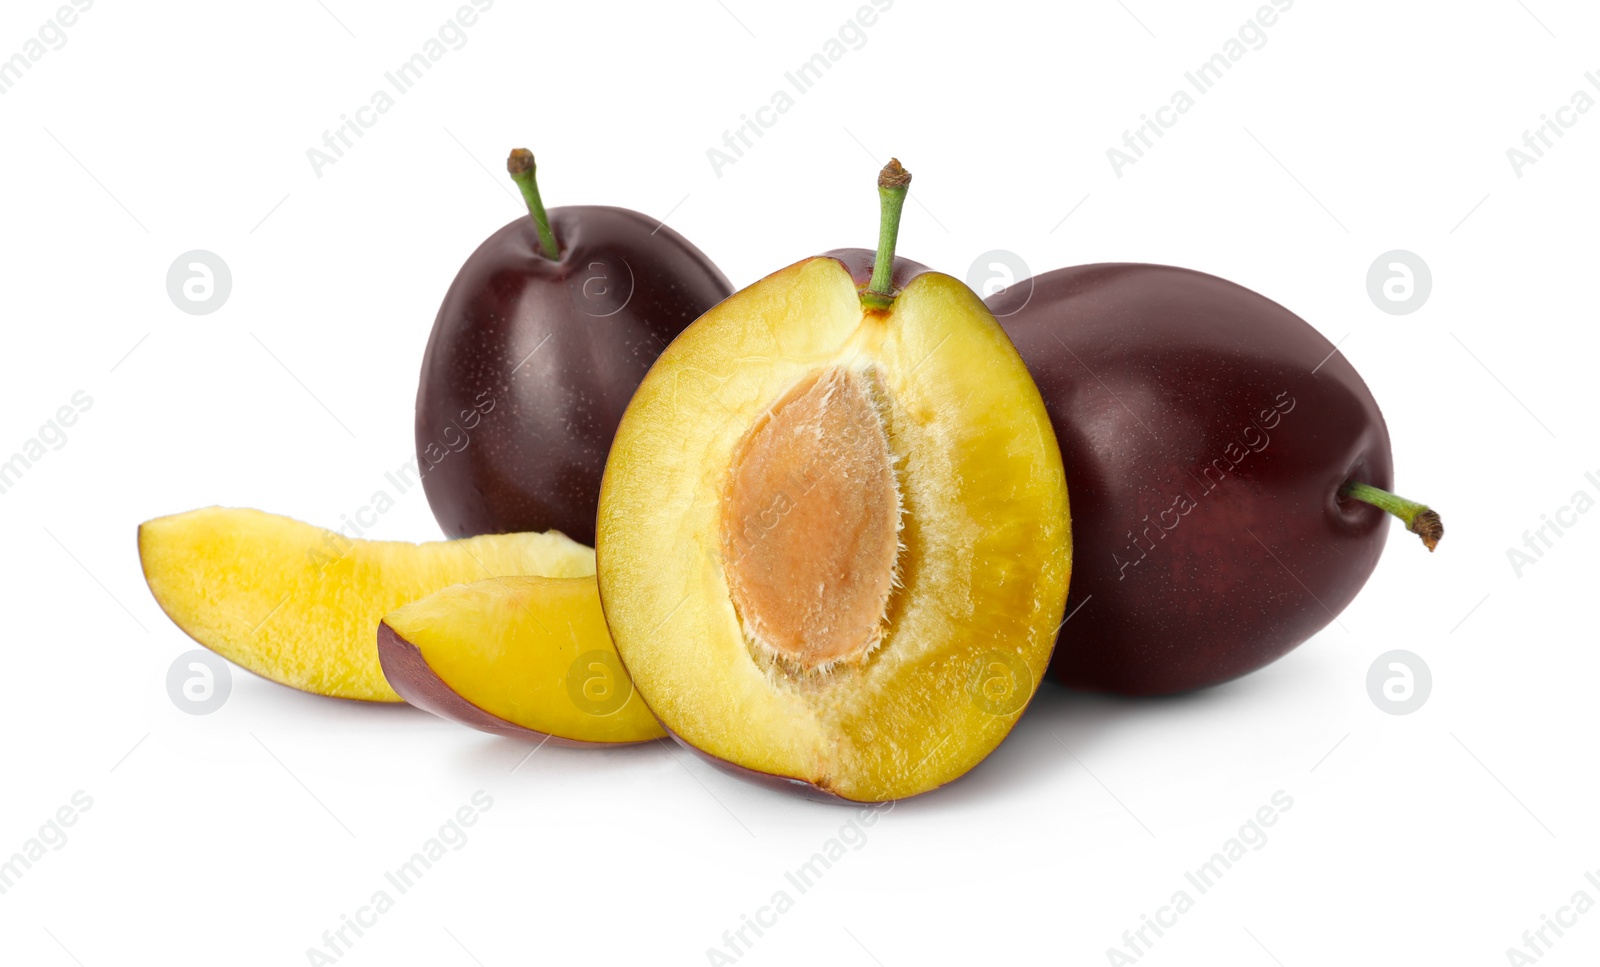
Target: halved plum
x,y
833,540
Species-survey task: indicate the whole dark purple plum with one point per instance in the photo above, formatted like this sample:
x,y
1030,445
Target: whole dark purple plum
x,y
540,343
1226,466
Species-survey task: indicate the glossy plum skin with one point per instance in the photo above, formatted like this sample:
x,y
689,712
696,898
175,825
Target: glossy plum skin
x,y
858,261
1206,431
533,360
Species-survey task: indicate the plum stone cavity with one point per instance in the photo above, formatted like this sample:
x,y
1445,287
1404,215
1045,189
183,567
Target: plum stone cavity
x,y
811,523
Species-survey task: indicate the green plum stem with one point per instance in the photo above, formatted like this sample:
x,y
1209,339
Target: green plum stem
x,y
1418,518
893,182
521,167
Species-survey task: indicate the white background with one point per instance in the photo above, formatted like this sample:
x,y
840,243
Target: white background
x,y
239,837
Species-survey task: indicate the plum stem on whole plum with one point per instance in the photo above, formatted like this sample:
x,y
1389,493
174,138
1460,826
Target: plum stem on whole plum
x,y
893,181
1418,518
521,167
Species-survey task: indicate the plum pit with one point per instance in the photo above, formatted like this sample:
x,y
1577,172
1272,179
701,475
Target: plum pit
x,y
811,523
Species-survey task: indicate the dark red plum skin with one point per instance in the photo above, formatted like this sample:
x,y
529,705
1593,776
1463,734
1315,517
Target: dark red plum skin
x,y
415,681
858,262
1206,431
532,361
